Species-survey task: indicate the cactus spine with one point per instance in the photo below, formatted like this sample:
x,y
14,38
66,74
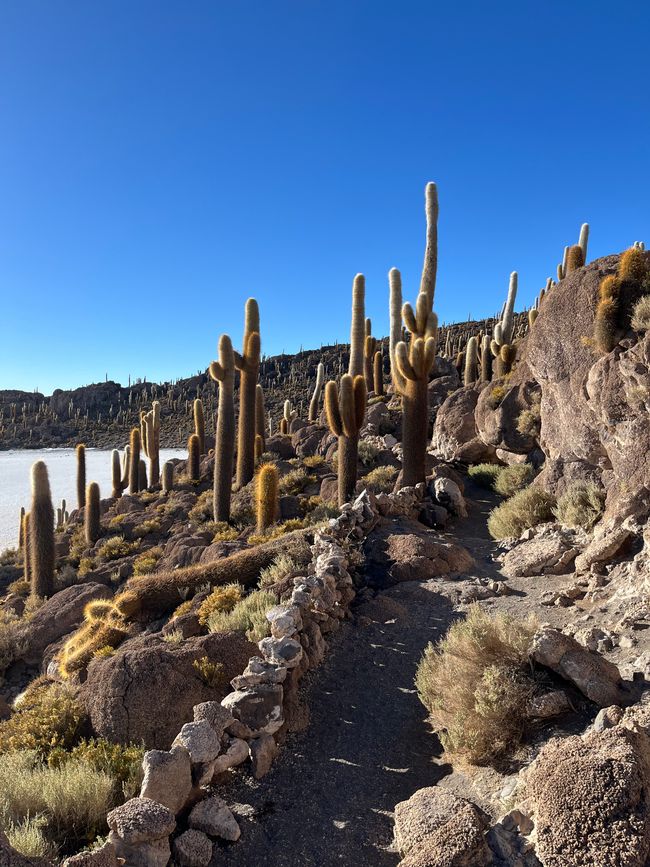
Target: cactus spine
x,y
80,452
223,372
315,400
199,423
266,496
41,533
193,458
358,326
248,363
412,364
92,526
345,408
134,461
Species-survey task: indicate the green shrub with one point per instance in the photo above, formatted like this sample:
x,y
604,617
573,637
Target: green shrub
x,y
115,548
581,505
484,474
29,838
513,478
380,479
203,509
523,510
248,616
212,673
528,421
496,396
475,683
46,718
282,566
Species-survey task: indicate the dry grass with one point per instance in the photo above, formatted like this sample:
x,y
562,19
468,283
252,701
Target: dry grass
x,y
146,527
496,396
525,509
280,568
641,314
512,479
248,616
223,598
212,673
581,505
29,838
475,685
12,645
313,461
71,801
381,479
296,481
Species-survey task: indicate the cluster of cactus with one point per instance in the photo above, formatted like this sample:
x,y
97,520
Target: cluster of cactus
x,y
412,363
119,471
134,461
575,256
150,440
248,364
223,372
62,514
616,296
105,627
345,408
289,415
502,346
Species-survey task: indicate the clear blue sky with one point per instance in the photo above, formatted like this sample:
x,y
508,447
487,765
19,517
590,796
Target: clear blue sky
x,y
162,160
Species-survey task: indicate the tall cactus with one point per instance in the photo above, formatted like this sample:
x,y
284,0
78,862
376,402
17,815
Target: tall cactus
x,y
411,364
358,326
378,373
345,408
315,400
288,416
260,417
199,423
486,359
223,372
151,442
41,533
471,362
167,477
584,241
194,458
266,496
502,347
248,364
134,461
119,475
80,453
369,349
92,527
27,552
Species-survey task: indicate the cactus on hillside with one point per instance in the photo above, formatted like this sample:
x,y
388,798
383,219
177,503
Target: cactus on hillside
x,y
134,461
118,482
616,296
41,533
80,453
92,527
260,417
27,551
199,423
345,408
248,364
575,258
194,458
486,359
378,373
369,350
412,364
288,416
266,496
358,326
142,476
223,372
318,388
151,442
471,362
167,477
583,241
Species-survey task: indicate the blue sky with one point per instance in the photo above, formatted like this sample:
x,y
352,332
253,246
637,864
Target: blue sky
x,y
160,161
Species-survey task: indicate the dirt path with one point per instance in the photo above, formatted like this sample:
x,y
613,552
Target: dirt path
x,y
329,798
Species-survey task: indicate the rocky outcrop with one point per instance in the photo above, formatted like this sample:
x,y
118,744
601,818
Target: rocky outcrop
x,y
455,435
434,828
122,691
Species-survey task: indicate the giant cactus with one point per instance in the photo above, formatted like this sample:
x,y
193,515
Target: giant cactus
x,y
92,527
134,461
151,441
41,533
248,364
194,458
266,496
411,364
80,453
502,345
318,388
358,326
199,424
260,418
345,408
471,362
369,350
223,372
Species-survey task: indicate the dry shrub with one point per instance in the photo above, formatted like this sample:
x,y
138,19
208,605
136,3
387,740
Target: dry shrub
x,y
641,314
313,461
222,598
529,420
496,396
296,481
581,505
122,763
476,686
281,567
248,616
147,561
12,642
381,479
484,474
512,479
523,510
116,547
28,838
73,799
46,718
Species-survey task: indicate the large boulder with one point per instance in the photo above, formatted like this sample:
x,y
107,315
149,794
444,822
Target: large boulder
x,y
497,421
123,692
590,800
455,436
434,828
543,555
404,550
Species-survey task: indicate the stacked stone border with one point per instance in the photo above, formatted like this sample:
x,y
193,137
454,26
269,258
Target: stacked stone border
x,y
245,724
